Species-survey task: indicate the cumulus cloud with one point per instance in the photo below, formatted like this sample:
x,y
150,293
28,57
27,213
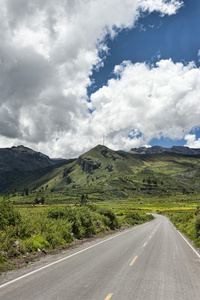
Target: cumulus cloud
x,y
192,141
148,102
47,53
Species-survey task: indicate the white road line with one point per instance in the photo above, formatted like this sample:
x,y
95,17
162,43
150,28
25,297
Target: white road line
x,y
187,241
57,261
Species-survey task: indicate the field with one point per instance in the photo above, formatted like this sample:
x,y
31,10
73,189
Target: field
x,y
27,227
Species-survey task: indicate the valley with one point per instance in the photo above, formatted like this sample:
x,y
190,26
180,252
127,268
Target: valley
x,y
80,198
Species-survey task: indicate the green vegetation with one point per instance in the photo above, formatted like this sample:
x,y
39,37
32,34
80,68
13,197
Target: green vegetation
x,y
103,174
188,223
33,228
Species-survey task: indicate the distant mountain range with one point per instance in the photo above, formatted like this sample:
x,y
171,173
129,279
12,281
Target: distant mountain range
x,y
158,149
102,172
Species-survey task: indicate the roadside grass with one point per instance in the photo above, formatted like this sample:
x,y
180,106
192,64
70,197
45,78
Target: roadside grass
x,y
188,222
27,229
60,220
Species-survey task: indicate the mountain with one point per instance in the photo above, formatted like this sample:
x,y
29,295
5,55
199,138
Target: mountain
x,y
23,159
103,174
158,149
18,163
107,174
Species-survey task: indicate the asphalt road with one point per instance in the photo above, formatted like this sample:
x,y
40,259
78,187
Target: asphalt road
x,y
151,261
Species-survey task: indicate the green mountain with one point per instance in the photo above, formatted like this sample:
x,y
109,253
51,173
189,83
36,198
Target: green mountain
x,y
108,174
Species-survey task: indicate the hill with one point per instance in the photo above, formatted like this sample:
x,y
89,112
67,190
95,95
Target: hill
x,y
102,173
108,174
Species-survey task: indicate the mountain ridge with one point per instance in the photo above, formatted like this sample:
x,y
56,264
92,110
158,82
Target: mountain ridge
x,y
104,173
158,149
23,159
19,163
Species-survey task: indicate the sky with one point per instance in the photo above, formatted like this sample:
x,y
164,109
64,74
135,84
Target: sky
x,y
78,73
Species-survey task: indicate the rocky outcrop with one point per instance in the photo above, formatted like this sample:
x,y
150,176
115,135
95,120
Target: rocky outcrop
x,y
108,154
67,171
109,168
68,180
88,165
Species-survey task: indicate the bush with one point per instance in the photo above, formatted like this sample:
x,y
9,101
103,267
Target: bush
x,y
8,216
80,220
36,242
133,218
111,220
197,226
87,223
60,213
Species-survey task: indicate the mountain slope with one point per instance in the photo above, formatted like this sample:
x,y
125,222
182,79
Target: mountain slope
x,y
21,164
107,174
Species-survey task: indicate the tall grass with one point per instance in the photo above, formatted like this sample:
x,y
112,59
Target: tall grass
x,y
32,230
188,223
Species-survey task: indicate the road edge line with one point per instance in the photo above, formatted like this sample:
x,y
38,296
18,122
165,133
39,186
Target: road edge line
x,y
195,251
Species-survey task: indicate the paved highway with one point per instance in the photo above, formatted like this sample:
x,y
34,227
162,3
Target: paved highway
x,y
151,261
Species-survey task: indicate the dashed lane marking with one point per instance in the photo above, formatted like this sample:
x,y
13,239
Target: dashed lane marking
x,y
133,260
109,296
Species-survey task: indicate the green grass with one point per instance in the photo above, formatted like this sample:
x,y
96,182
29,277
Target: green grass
x,y
30,228
188,222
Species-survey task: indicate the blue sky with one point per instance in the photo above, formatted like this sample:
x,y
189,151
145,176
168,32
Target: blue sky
x,y
154,38
175,37
75,73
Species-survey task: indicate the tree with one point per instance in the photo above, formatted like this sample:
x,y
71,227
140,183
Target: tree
x,y
36,201
42,200
197,226
83,200
26,191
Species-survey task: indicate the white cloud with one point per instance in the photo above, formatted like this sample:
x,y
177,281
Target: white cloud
x,y
155,101
47,53
192,142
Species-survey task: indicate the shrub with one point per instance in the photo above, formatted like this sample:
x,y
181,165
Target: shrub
x,y
36,242
59,213
197,226
8,216
87,223
133,218
111,220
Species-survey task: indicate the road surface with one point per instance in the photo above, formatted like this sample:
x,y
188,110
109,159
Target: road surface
x,y
151,261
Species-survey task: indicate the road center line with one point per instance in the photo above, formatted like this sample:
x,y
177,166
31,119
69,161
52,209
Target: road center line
x,y
109,296
133,260
145,244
